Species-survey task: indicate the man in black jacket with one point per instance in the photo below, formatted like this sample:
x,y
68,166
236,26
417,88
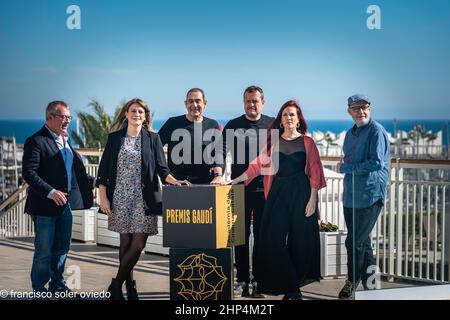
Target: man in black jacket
x,y
58,183
243,143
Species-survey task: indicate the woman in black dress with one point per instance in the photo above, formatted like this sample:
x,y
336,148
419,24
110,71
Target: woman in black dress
x,y
289,243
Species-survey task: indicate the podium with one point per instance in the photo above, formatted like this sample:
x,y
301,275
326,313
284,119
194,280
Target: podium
x,y
200,224
203,216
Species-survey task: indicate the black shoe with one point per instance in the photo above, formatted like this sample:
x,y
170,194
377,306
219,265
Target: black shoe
x,y
115,290
293,296
241,289
255,292
132,293
347,291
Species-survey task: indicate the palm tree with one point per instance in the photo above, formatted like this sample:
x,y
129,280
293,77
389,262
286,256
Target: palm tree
x,y
430,138
330,141
95,127
416,134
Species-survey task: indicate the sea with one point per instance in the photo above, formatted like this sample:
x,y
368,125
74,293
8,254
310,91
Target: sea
x,y
21,129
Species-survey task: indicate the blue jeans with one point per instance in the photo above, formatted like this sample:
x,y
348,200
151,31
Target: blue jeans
x,y
359,249
51,245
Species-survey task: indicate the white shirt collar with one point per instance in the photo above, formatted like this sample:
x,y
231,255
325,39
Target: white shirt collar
x,y
57,136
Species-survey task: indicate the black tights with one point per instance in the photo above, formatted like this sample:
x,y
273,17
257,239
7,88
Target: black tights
x,y
131,246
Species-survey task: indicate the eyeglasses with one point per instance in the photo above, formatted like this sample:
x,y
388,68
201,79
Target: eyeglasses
x,y
62,117
357,108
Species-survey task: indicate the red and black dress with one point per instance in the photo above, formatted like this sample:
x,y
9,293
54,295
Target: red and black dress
x,y
288,254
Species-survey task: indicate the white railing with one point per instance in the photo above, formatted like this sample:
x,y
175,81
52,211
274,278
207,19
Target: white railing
x,y
411,237
330,202
13,221
412,233
412,151
330,198
397,150
92,170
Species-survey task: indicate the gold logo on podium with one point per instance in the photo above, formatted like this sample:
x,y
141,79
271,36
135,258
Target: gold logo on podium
x,y
201,278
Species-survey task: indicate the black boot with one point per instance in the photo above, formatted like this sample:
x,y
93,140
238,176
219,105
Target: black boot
x,y
115,290
132,293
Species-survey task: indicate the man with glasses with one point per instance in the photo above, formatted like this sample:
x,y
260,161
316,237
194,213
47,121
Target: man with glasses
x,y
366,169
58,184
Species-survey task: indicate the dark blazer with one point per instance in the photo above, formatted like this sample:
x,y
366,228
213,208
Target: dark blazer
x,y
43,169
153,163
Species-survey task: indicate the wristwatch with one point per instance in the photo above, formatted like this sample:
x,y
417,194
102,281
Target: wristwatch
x,y
216,174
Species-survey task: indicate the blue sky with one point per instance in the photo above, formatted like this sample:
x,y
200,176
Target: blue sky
x,y
318,52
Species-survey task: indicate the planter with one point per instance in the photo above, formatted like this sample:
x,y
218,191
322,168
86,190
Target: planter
x,y
83,225
110,238
103,235
333,255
